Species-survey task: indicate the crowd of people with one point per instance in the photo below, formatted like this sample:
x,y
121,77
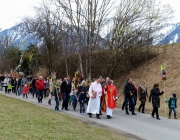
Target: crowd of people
x,y
94,97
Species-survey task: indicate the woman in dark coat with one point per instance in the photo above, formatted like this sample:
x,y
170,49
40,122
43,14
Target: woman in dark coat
x,y
142,94
155,96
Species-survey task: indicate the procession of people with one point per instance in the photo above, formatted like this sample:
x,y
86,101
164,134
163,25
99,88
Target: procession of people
x,y
94,97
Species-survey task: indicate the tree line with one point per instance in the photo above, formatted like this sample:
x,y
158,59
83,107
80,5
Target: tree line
x,y
97,36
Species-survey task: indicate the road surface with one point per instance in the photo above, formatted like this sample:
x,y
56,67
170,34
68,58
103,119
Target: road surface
x,y
141,126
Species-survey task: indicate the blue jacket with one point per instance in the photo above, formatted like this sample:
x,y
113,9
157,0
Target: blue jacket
x,y
74,99
172,102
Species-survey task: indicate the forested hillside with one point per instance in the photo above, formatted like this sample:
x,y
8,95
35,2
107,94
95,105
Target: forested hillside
x,y
150,72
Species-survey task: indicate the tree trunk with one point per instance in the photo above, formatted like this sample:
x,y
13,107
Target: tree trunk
x,y
67,73
80,64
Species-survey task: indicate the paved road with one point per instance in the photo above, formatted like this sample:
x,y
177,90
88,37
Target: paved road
x,y
141,126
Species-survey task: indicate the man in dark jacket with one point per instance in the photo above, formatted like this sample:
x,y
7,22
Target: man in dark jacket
x,y
129,94
33,85
155,96
14,85
19,91
125,99
66,90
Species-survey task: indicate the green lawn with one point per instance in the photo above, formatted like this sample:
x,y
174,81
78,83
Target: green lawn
x,y
20,120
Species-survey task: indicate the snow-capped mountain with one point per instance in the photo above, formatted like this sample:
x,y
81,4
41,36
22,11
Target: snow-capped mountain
x,y
170,34
18,35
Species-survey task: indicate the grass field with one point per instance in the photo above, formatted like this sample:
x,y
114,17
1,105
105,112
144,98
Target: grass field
x,y
20,120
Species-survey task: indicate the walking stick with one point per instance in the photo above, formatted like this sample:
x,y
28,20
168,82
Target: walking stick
x,y
164,98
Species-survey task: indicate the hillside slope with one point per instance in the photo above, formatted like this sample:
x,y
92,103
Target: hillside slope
x,y
150,72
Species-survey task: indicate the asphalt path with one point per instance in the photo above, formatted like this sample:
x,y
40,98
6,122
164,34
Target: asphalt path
x,y
140,126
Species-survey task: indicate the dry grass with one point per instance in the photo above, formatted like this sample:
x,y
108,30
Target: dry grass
x,y
21,121
150,72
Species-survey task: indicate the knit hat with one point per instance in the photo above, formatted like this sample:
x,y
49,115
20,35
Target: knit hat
x,y
174,95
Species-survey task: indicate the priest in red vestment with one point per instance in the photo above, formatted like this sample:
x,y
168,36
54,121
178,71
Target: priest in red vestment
x,y
111,97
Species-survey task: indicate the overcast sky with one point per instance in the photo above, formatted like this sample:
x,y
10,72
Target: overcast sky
x,y
13,11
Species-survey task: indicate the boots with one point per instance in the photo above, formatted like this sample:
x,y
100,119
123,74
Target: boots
x,y
49,102
100,113
97,116
90,115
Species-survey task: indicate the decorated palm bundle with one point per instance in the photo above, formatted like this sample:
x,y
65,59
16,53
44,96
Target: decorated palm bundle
x,y
94,94
163,72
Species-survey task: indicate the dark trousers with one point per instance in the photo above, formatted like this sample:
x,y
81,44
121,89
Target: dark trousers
x,y
82,107
131,104
6,90
65,100
155,110
18,91
9,90
45,93
24,95
100,105
170,111
57,104
34,92
74,105
13,89
124,103
142,105
40,95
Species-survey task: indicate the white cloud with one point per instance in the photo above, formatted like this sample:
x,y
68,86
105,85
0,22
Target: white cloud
x,y
13,11
175,5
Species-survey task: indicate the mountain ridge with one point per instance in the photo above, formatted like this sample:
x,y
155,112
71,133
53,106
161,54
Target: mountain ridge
x,y
170,34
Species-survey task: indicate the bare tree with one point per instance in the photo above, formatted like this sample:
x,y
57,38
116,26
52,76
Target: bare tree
x,y
86,17
48,26
135,25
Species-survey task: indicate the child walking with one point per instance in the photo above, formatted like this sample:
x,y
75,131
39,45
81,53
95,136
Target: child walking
x,y
82,102
74,100
25,91
172,105
9,88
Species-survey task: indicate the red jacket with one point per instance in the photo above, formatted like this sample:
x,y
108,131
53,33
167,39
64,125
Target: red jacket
x,y
25,90
40,85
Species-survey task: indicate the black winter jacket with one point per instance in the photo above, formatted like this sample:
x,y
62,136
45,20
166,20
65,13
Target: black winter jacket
x,y
82,98
128,89
66,88
155,93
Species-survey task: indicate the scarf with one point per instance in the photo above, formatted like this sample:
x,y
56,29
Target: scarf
x,y
143,88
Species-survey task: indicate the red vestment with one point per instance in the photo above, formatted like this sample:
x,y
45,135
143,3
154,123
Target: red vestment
x,y
103,99
110,95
